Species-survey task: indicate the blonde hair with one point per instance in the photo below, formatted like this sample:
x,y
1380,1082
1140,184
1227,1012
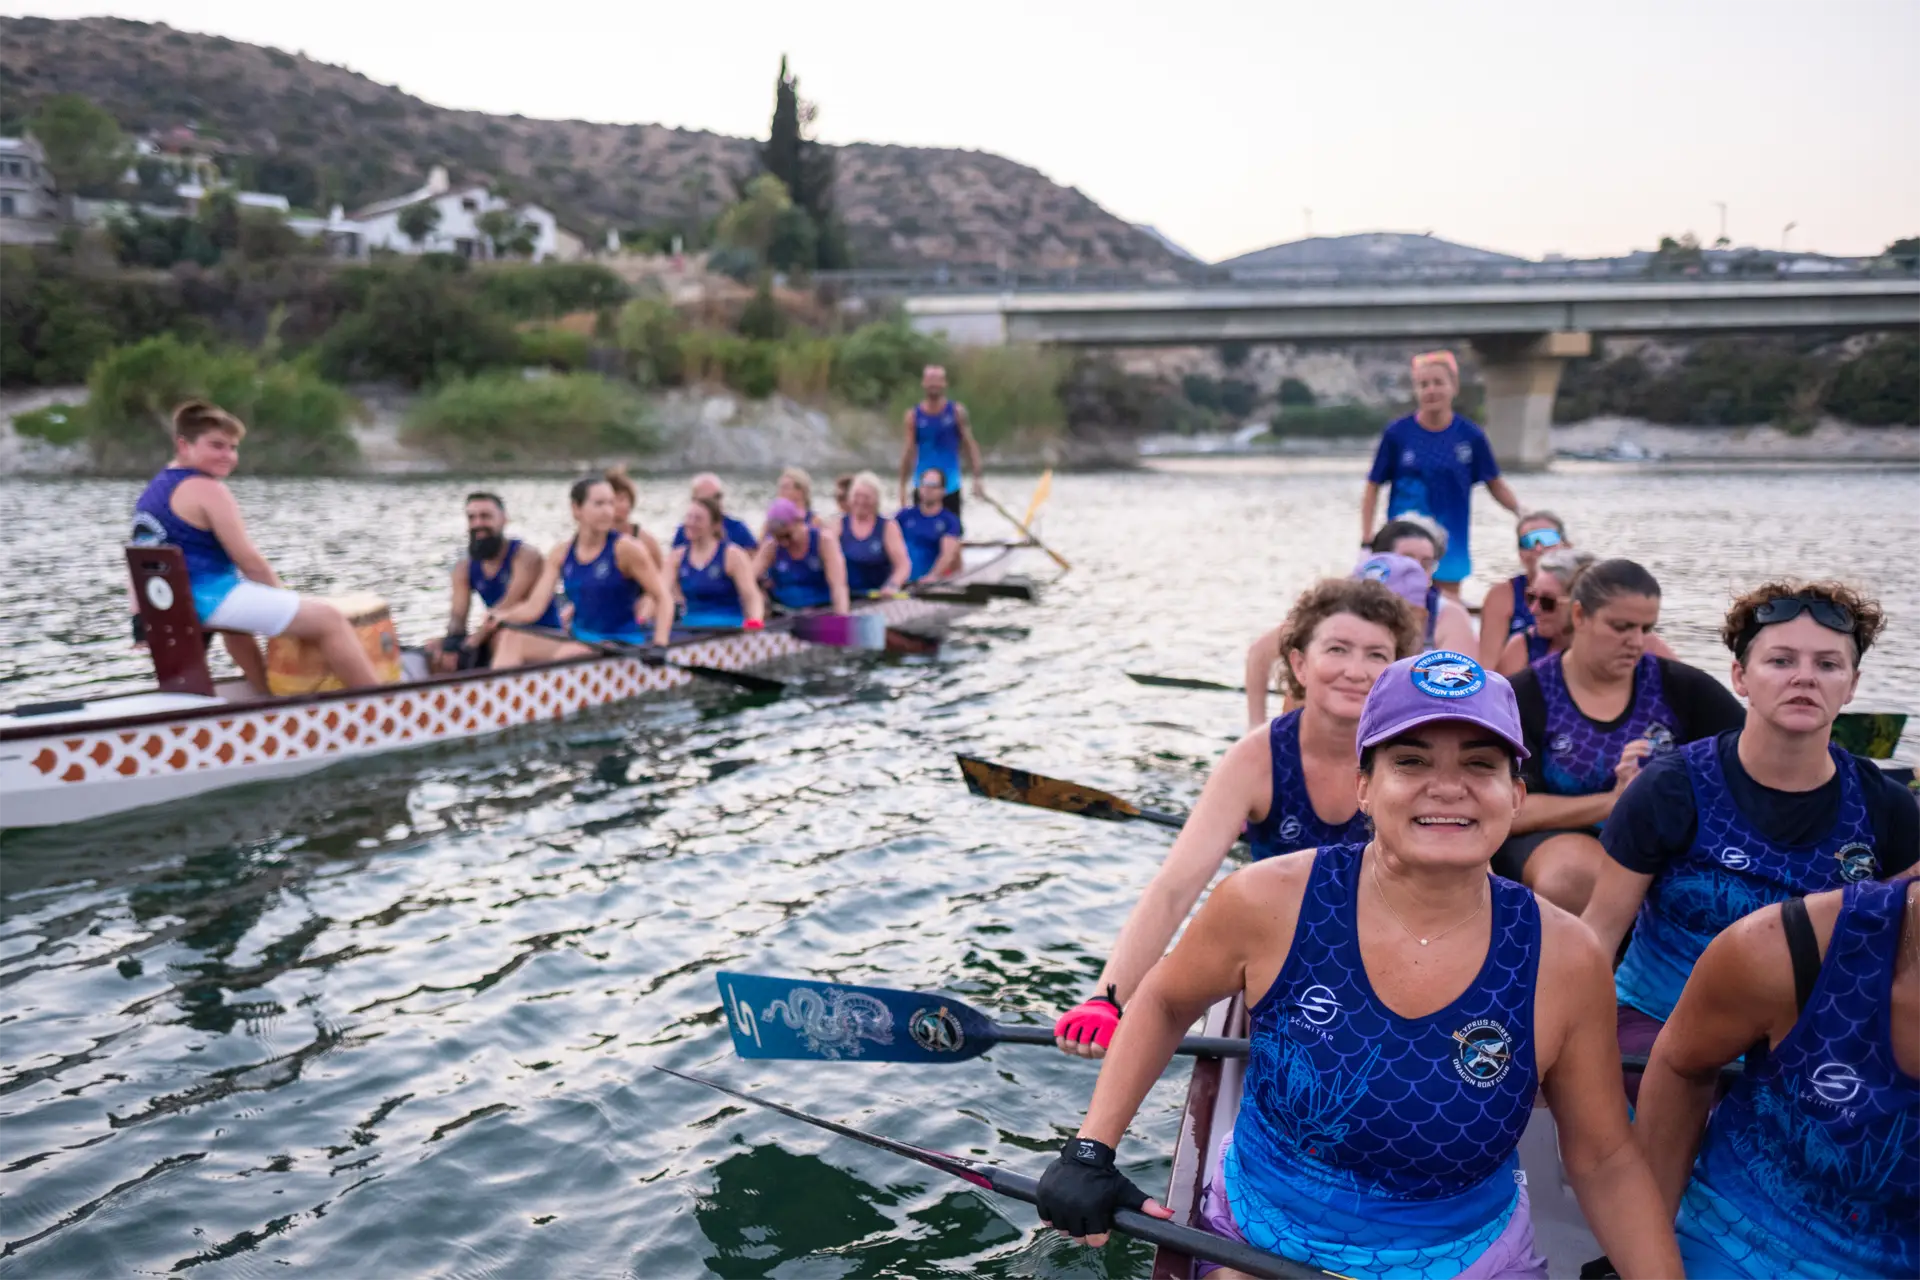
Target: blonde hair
x,y
866,480
804,483
195,418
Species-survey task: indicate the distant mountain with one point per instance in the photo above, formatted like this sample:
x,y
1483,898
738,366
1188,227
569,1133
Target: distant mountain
x,y
319,133
1372,249
1172,246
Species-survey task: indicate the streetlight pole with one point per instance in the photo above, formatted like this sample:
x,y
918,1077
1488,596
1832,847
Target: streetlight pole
x,y
1308,215
1784,233
1722,242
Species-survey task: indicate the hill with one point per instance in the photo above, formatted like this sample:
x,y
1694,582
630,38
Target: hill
x,y
1373,249
320,133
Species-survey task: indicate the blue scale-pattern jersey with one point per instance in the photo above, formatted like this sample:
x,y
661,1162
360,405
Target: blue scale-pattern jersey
x,y
709,596
868,567
800,582
1291,823
603,597
1811,1166
211,574
1522,611
1732,870
1372,1144
492,587
1580,755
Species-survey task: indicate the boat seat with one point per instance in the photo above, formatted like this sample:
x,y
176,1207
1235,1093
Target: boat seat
x,y
175,637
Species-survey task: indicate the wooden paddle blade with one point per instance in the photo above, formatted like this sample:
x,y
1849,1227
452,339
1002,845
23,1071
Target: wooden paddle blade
x,y
738,679
1001,782
1040,492
1182,682
912,643
1873,734
829,1021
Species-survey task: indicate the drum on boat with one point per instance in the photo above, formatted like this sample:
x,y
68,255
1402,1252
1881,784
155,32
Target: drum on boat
x,y
296,666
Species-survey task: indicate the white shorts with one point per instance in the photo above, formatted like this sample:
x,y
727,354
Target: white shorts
x,y
255,607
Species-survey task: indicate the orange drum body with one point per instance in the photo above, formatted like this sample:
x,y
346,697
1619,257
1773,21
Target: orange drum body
x,y
294,666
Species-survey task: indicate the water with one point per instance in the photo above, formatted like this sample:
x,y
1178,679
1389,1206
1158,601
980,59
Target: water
x,y
400,1021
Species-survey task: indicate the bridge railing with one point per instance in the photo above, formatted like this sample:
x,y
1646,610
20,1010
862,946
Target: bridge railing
x,y
963,278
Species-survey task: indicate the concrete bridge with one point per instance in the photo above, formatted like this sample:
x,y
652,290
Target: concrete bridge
x,y
1522,333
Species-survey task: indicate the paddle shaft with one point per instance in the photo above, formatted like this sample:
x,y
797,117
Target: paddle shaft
x,y
1192,1046
1057,557
615,649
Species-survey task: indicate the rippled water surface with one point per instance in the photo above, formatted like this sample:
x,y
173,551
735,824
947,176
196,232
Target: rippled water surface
x,y
400,1020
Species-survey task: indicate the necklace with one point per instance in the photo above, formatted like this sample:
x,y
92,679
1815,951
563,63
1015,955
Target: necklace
x,y
1381,889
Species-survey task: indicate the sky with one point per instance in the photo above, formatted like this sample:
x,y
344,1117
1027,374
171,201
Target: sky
x,y
1583,129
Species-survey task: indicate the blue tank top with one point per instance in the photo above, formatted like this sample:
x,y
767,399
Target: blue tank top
x,y
1729,871
936,443
923,533
603,597
492,587
801,583
1580,754
1433,619
1538,646
867,565
711,598
1522,611
210,570
1368,1143
1291,822
1811,1165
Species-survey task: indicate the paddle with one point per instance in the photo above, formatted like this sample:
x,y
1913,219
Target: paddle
x,y
1188,1240
806,1018
1004,782
972,592
1873,734
1182,682
1041,491
617,649
1057,557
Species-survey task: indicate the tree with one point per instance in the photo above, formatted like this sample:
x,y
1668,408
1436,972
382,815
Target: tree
x,y
1905,252
418,221
752,223
506,232
85,148
805,167
220,219
1295,392
1677,257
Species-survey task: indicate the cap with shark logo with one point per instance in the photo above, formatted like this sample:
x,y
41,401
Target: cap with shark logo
x,y
1436,686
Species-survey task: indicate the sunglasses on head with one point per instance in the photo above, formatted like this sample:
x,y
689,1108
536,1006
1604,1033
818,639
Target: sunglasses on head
x,y
1829,614
1533,538
1542,603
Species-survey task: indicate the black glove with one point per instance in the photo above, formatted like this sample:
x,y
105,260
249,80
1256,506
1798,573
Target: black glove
x,y
1081,1189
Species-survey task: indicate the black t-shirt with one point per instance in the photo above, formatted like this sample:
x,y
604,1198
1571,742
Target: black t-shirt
x,y
1702,705
1656,819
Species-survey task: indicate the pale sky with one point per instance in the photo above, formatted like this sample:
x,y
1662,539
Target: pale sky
x,y
1581,128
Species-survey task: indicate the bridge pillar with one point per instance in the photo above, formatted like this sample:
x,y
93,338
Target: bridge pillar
x,y
1521,373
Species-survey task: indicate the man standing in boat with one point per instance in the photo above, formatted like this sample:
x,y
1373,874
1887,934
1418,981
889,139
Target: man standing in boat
x,y
935,430
501,571
189,506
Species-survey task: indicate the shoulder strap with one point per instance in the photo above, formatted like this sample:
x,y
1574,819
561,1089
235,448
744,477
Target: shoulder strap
x,y
1803,947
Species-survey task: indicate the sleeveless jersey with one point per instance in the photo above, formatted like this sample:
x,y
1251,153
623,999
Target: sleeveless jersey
x,y
1729,871
1368,1143
922,533
867,565
1433,619
711,598
936,443
1522,611
1291,822
603,597
210,570
1580,755
1538,646
492,587
1811,1165
801,583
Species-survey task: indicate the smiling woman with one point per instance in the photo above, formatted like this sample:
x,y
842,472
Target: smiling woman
x,y
1355,960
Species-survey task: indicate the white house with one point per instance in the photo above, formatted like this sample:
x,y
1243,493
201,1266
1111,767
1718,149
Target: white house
x,y
458,231
29,200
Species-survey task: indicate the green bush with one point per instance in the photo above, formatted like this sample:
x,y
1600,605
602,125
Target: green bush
x,y
505,418
1008,391
417,326
1330,420
804,366
296,423
878,359
747,365
1295,392
60,424
648,332
553,348
545,290
56,319
1881,386
762,317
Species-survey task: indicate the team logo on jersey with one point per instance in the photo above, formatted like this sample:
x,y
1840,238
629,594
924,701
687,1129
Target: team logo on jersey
x,y
1561,744
1836,1082
936,1030
600,568
1318,1005
1856,861
1660,738
147,530
1290,829
1735,858
1483,1053
1406,458
1463,453
1446,674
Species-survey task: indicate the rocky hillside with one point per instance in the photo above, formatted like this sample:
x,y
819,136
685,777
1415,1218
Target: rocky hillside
x,y
321,133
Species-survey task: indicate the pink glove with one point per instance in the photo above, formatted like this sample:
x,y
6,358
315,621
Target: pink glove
x,y
1092,1021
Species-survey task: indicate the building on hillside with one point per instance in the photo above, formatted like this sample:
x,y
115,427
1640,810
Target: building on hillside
x,y
183,157
457,230
29,198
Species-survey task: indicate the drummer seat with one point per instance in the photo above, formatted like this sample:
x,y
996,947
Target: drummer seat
x,y
174,635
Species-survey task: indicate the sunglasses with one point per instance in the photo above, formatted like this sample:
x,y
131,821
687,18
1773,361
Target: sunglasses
x,y
1542,604
1533,538
1832,616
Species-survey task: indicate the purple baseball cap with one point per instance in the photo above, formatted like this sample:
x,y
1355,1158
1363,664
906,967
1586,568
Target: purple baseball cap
x,y
784,511
1401,575
1441,685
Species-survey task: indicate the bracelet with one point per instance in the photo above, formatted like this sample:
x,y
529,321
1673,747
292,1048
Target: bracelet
x,y
754,624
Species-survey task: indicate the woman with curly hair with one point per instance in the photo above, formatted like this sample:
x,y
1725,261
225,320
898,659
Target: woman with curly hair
x,y
1756,815
1288,785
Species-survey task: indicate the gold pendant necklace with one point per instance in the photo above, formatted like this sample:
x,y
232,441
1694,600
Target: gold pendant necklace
x,y
1381,889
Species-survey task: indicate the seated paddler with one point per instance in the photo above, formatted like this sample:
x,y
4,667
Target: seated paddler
x,y
500,570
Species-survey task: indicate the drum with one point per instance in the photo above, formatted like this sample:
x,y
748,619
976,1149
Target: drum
x,y
295,666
